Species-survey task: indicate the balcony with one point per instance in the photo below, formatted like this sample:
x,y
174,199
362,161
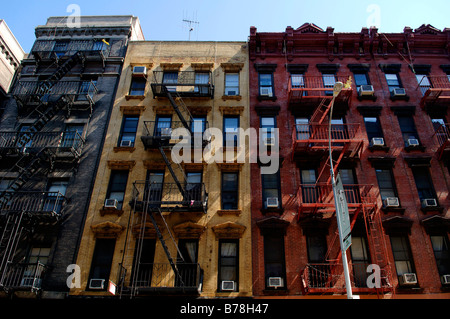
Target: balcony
x,y
169,197
310,90
63,145
312,138
79,95
435,91
158,134
442,135
183,84
23,276
42,205
50,50
159,278
320,278
318,198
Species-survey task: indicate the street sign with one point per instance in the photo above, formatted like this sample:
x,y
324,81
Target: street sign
x,y
342,215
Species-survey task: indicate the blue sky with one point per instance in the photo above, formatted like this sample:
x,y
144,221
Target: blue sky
x,y
230,20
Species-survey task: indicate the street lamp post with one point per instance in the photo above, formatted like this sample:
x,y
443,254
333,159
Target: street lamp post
x,y
338,86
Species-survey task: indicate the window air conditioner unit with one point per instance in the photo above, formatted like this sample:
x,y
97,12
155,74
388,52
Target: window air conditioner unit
x,y
269,141
275,282
140,71
392,202
429,202
378,141
266,92
366,90
413,142
445,279
272,202
227,286
98,284
126,143
408,279
399,92
111,203
166,132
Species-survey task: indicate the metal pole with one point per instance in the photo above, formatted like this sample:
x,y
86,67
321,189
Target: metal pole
x,y
348,284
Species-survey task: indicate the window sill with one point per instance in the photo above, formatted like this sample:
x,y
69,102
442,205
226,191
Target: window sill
x,y
130,149
393,210
367,98
374,148
419,148
266,98
231,97
275,292
236,212
111,211
399,98
134,97
265,211
437,209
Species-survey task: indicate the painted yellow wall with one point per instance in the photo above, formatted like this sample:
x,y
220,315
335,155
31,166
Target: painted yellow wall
x,y
219,55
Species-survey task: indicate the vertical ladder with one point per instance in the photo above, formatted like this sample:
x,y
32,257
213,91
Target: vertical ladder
x,y
11,234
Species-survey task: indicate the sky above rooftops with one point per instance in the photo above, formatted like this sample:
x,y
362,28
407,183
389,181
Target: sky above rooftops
x,y
230,20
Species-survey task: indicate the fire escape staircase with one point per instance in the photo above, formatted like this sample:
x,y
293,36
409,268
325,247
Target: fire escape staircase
x,y
180,180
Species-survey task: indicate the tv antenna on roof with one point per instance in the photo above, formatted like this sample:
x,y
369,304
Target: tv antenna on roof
x,y
191,24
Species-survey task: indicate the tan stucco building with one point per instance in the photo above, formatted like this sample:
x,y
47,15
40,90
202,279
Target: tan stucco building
x,y
201,210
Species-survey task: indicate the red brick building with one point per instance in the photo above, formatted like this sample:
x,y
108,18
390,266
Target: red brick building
x,y
389,145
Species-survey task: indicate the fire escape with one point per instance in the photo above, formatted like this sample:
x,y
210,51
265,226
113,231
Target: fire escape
x,y
435,92
31,151
315,198
153,200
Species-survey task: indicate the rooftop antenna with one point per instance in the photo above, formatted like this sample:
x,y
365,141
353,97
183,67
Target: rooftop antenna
x,y
190,23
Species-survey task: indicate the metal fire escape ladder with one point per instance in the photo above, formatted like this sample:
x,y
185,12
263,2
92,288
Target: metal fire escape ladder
x,y
11,234
46,112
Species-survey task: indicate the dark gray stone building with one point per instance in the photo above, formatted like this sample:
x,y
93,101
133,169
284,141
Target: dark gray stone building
x,y
51,136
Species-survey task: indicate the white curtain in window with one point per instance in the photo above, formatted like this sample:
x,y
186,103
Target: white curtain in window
x,y
437,242
191,248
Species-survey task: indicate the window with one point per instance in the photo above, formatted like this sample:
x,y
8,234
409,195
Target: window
x,y
144,269
170,78
228,262
373,128
154,186
117,186
194,186
309,189
163,126
268,129
86,89
187,262
302,126
37,255
423,183
424,82
231,84
231,135
138,86
441,248
328,82
271,188
128,131
360,260
319,270
60,48
230,190
198,126
72,136
102,259
201,81
54,201
401,250
266,85
441,129
408,129
393,81
350,183
386,184
361,79
274,262
297,81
